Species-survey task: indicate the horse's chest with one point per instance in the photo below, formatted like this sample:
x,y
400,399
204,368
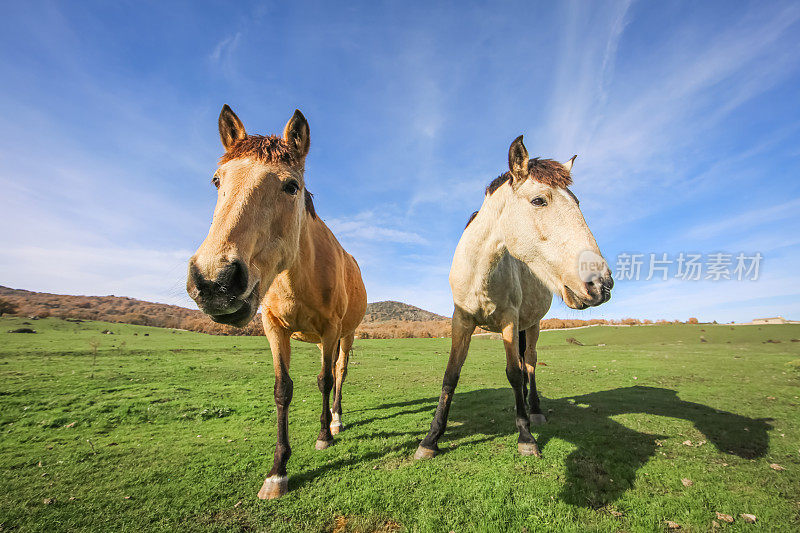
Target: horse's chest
x,y
288,308
507,292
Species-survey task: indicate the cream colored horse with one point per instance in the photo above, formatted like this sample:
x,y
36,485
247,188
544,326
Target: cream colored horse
x,y
267,246
527,242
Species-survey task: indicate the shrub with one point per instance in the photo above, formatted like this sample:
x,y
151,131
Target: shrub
x,y
7,308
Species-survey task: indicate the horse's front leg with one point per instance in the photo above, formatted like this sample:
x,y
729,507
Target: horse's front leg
x,y
526,444
462,334
340,372
277,482
329,345
531,336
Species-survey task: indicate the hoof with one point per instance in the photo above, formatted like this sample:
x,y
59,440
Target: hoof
x,y
274,487
537,419
322,444
424,453
528,448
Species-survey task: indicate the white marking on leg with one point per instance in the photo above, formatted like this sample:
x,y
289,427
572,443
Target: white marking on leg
x,y
274,487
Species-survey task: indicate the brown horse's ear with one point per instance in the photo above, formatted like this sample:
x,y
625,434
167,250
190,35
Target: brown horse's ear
x,y
297,134
568,164
518,160
231,128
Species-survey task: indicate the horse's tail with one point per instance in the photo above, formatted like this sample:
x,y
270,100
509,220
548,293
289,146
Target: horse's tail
x,y
522,345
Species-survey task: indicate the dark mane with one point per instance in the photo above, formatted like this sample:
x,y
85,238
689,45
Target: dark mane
x,y
547,171
497,182
471,218
268,149
310,204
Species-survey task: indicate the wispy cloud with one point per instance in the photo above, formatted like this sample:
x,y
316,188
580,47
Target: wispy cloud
x,y
747,221
225,48
639,131
369,226
223,56
586,61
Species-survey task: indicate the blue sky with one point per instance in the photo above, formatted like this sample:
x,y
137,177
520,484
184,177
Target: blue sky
x,y
685,117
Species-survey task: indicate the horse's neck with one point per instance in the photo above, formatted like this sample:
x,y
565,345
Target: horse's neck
x,y
484,276
482,245
306,253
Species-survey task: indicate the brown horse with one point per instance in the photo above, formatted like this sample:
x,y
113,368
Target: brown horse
x,y
267,246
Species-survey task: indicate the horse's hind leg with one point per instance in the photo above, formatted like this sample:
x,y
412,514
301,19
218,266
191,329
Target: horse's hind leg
x,y
339,373
526,444
531,335
462,334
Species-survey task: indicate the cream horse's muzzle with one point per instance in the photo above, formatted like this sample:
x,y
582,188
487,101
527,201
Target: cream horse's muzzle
x,y
595,292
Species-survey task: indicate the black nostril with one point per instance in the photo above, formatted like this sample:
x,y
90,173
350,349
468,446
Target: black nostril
x,y
608,283
592,287
196,277
239,282
233,278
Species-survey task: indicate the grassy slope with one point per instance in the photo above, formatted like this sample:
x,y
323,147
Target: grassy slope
x,y
183,424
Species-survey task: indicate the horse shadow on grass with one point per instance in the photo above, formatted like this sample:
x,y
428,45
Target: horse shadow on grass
x,y
608,454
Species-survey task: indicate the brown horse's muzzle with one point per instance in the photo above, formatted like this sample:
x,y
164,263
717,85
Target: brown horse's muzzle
x,y
227,299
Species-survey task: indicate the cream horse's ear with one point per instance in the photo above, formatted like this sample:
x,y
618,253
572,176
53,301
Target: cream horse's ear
x,y
298,134
568,164
518,160
231,128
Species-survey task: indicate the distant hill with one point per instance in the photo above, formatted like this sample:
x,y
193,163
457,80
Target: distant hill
x,y
390,310
118,309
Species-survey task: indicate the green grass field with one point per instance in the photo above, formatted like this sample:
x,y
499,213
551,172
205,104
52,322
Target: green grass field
x,y
176,430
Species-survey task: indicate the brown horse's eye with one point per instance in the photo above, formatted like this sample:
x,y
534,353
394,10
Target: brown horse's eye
x,y
215,181
291,187
539,201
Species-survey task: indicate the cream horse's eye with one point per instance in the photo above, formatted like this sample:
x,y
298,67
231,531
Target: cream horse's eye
x,y
539,201
215,181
